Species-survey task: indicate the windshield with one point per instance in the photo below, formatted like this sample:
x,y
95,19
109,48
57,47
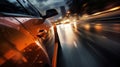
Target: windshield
x,y
11,6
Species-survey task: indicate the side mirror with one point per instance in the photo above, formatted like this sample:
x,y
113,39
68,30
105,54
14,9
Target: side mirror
x,y
50,13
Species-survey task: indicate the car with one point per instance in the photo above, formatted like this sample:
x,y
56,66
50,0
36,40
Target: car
x,y
20,23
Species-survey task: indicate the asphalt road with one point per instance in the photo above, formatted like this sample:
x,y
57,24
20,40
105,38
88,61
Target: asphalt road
x,y
89,45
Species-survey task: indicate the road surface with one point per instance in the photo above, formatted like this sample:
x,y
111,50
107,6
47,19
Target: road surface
x,y
89,45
